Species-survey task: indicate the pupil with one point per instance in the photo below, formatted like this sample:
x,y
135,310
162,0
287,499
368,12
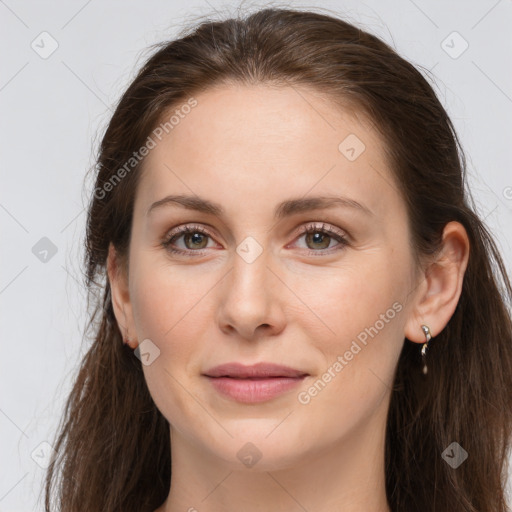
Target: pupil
x,y
196,238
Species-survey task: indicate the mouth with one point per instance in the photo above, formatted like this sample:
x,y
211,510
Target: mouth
x,y
255,371
253,384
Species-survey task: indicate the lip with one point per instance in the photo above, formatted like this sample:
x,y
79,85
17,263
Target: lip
x,y
257,371
256,383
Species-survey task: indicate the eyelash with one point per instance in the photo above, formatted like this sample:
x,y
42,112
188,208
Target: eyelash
x,y
308,229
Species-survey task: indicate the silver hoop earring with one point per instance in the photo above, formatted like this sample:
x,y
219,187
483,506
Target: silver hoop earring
x,y
428,337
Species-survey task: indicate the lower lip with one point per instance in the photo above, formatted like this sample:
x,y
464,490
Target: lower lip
x,y
254,390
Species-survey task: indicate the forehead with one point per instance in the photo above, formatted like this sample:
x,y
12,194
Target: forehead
x,y
266,140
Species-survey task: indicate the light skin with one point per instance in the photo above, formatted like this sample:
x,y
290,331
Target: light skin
x,y
247,149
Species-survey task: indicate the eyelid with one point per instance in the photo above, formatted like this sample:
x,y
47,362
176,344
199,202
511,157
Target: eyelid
x,y
186,228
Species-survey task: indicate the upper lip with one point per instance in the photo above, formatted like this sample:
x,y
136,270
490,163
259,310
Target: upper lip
x,y
261,370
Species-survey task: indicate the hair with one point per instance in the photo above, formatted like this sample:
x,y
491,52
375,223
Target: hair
x,y
113,447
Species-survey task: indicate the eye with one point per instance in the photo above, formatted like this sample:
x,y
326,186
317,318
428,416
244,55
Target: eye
x,y
319,237
195,238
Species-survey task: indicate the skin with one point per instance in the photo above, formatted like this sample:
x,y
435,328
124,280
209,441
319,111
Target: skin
x,y
248,148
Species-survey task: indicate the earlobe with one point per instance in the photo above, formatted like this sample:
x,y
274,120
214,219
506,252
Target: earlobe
x,y
439,293
120,296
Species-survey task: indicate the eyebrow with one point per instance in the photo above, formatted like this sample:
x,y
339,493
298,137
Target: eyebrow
x,y
285,209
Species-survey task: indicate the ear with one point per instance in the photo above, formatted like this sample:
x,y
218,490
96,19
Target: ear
x,y
439,291
118,279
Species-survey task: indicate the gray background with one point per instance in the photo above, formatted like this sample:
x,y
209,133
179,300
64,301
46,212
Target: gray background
x,y
54,108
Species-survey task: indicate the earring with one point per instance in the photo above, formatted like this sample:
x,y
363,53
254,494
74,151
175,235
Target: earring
x,y
127,341
428,337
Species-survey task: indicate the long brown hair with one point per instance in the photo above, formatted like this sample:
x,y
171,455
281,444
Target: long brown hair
x,y
113,443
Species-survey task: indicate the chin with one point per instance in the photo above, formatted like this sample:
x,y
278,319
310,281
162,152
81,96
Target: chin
x,y
254,449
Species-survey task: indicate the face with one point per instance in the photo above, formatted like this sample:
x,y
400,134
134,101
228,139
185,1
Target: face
x,y
269,276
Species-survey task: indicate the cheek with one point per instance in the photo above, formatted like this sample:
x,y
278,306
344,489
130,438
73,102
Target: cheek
x,y
362,307
360,300
359,359
168,307
169,310
166,300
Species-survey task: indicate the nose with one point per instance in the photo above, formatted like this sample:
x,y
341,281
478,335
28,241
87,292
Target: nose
x,y
250,299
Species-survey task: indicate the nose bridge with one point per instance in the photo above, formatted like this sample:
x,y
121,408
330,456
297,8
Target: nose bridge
x,y
248,300
250,273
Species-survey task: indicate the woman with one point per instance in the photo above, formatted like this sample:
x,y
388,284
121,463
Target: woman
x,y
300,309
